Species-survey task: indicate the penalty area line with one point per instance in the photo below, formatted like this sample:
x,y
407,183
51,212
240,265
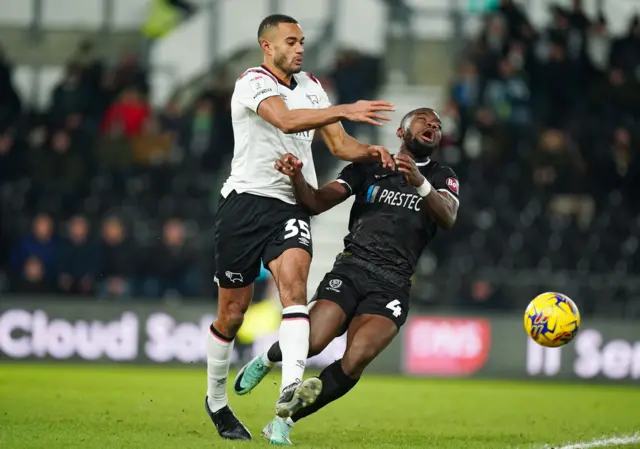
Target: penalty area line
x,y
600,442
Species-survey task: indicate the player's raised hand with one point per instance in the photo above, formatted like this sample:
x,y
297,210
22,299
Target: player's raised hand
x,y
407,166
289,165
383,155
365,111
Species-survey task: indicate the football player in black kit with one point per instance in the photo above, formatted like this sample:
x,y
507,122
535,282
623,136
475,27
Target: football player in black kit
x,y
395,215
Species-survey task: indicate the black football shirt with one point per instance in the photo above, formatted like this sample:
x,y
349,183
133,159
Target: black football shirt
x,y
388,228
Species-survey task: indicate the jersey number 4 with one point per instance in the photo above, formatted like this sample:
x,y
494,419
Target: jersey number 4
x,y
295,227
395,307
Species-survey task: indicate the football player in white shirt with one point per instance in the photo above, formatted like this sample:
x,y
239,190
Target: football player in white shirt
x,y
275,109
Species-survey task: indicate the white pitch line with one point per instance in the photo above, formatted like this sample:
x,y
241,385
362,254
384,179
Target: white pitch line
x,y
601,442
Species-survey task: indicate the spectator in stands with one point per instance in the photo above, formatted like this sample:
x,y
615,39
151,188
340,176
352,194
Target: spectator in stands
x,y
598,47
465,93
70,96
616,97
113,155
130,111
559,30
219,92
106,93
578,19
36,139
82,135
171,264
59,170
617,165
79,259
151,146
130,74
33,279
171,119
12,158
117,260
356,76
560,81
40,243
625,51
560,171
507,97
88,61
504,114
200,137
515,19
495,37
10,104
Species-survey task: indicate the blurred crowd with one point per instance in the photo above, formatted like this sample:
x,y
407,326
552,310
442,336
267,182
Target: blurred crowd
x,y
103,195
542,126
567,96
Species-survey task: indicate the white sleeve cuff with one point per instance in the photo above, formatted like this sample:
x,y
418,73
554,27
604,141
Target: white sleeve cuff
x,y
425,188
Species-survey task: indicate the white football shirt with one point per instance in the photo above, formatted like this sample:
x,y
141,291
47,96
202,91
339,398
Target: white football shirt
x,y
258,144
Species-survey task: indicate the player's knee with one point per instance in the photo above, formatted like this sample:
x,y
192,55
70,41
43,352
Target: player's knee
x,y
235,312
230,318
294,293
356,359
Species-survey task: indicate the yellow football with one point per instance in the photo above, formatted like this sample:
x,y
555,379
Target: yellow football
x,y
552,319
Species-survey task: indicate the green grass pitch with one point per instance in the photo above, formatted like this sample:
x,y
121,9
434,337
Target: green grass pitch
x,y
103,407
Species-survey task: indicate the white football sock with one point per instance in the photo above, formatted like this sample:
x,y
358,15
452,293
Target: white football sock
x,y
218,358
290,422
294,343
266,361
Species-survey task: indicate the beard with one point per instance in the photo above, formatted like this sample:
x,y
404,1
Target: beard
x,y
418,149
281,63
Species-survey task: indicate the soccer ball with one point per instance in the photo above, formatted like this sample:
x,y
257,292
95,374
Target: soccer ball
x,y
552,319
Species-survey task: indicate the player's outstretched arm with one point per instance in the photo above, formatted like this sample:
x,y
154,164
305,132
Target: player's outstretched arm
x,y
314,200
345,147
275,111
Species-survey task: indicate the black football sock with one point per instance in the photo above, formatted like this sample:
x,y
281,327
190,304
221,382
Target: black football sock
x,y
274,354
335,384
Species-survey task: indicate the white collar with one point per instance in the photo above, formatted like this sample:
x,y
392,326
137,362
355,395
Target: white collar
x,y
422,164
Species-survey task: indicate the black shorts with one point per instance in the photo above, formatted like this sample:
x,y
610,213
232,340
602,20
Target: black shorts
x,y
358,291
250,229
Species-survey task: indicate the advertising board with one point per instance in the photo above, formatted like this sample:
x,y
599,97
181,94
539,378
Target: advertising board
x,y
492,346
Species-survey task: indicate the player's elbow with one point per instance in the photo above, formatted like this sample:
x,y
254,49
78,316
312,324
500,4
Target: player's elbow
x,y
447,222
287,128
311,209
446,225
339,151
336,151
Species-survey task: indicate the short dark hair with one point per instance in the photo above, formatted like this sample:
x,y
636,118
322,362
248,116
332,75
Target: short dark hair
x,y
273,21
409,115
